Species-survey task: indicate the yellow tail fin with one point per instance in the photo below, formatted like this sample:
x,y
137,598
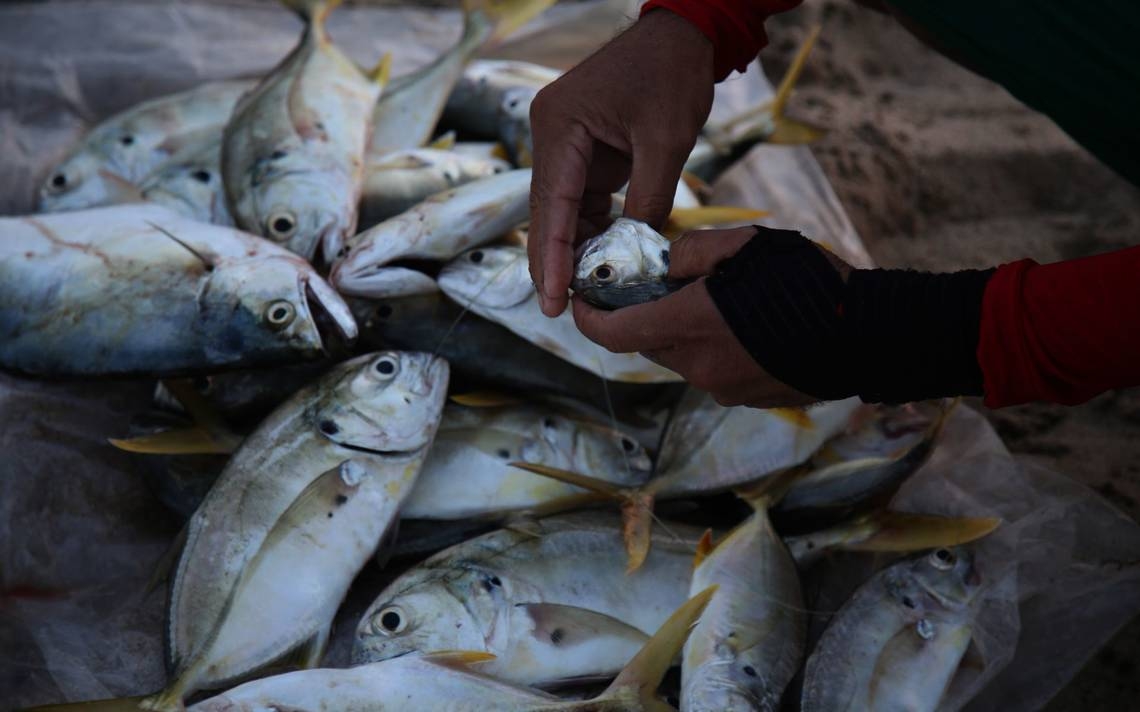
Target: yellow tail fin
x,y
682,220
180,441
506,15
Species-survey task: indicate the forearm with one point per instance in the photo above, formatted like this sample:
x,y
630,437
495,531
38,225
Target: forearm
x,y
1062,333
735,27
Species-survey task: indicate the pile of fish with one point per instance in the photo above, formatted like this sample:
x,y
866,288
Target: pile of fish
x,y
325,270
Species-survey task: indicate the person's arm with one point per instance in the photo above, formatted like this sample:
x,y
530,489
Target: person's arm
x,y
735,27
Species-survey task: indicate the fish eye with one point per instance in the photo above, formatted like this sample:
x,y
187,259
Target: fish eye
x,y
385,366
59,180
384,311
477,256
127,140
280,314
201,176
942,559
281,226
604,274
628,445
389,621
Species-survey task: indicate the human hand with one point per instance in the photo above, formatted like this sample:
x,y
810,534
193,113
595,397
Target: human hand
x,y
631,111
685,331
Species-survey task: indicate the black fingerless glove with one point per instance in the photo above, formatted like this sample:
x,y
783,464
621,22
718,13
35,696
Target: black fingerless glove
x,y
888,336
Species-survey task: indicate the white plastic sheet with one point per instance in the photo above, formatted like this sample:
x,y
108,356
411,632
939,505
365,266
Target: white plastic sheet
x,y
80,531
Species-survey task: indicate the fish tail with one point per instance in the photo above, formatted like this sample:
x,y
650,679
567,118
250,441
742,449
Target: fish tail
x,y
642,676
382,72
681,220
123,704
314,12
768,491
905,532
504,16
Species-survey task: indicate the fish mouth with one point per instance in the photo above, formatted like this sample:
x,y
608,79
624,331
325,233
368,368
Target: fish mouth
x,y
335,326
404,278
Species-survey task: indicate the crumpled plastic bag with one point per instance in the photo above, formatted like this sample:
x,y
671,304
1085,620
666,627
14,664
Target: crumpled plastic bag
x,y
80,531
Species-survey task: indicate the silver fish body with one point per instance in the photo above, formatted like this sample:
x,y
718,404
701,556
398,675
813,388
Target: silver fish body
x,y
380,412
475,446
626,264
898,641
293,152
191,183
551,599
514,125
750,640
138,289
495,283
398,181
438,228
474,103
122,150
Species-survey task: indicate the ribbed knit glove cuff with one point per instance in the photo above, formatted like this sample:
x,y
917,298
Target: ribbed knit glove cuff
x,y
887,336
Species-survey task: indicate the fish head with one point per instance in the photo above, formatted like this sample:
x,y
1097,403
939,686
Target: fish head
x,y
298,203
421,616
593,447
494,277
729,684
362,263
386,403
629,252
514,123
81,182
193,188
944,579
269,302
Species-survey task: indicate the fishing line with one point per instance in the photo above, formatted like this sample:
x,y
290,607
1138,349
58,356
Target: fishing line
x,y
465,308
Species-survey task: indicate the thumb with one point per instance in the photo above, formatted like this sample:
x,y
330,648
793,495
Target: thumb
x,y
653,181
697,253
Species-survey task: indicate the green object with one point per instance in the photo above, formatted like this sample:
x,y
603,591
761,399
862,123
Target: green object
x,y
1076,61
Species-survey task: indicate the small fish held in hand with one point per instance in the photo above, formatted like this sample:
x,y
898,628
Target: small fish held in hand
x,y
625,265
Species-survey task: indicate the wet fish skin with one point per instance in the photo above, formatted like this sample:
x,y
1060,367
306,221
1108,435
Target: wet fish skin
x,y
398,181
514,124
477,97
468,597
293,151
494,282
475,446
120,151
191,182
898,641
378,410
749,642
140,290
626,264
439,228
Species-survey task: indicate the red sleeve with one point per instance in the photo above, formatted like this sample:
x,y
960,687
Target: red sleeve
x,y
735,27
1062,332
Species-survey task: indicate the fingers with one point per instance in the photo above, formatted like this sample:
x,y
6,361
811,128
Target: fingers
x,y
644,327
562,155
653,179
697,253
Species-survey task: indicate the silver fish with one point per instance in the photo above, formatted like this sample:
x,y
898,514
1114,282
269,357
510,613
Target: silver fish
x,y
398,181
138,289
514,125
191,183
495,283
474,104
123,149
550,599
293,152
439,228
475,446
444,681
625,265
750,640
408,112
899,640
379,412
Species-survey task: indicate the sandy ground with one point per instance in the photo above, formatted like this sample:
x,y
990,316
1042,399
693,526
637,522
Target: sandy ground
x,y
940,169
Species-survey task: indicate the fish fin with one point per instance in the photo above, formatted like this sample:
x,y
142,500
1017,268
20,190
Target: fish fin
x,y
798,417
524,524
179,441
458,659
506,15
208,259
586,482
168,560
696,184
682,220
768,491
788,83
199,409
312,11
387,545
312,651
642,675
637,528
500,151
789,132
321,495
445,142
484,399
568,503
122,704
398,162
904,531
123,191
382,72
565,626
704,548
